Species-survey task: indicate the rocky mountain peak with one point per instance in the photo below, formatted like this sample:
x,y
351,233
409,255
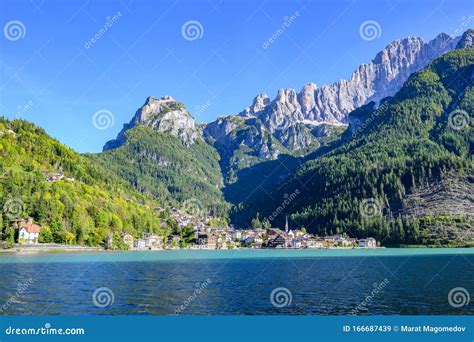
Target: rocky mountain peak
x,y
165,115
306,97
291,116
154,109
466,40
258,104
286,95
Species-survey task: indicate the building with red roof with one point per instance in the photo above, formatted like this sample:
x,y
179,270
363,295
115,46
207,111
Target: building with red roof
x,y
28,231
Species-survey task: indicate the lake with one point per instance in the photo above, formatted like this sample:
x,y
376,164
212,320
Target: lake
x,y
240,282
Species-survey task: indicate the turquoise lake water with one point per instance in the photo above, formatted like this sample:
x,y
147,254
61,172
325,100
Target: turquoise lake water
x,y
240,282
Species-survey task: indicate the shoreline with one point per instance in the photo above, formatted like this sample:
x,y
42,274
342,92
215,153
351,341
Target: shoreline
x,y
51,249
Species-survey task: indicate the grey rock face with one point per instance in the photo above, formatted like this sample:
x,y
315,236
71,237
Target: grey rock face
x,y
163,115
241,141
466,40
259,103
291,116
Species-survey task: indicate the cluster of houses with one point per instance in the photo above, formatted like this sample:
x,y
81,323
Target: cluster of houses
x,y
55,176
207,237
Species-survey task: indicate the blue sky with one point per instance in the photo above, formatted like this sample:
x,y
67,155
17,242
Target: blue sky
x,y
53,74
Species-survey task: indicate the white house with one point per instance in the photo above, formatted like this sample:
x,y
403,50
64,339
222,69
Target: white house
x,y
236,235
28,232
139,244
315,244
295,243
368,243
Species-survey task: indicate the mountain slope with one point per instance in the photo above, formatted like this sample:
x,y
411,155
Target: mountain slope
x,y
75,199
420,137
161,153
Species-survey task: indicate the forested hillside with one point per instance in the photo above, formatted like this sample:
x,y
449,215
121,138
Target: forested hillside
x,y
74,199
418,139
163,167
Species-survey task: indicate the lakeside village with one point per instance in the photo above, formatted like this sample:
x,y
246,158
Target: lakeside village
x,y
207,237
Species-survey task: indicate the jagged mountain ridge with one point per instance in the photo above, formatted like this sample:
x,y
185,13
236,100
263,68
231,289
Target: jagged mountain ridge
x,y
330,104
291,116
299,123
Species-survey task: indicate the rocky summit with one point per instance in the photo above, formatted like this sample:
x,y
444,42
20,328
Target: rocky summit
x,y
164,115
292,115
289,122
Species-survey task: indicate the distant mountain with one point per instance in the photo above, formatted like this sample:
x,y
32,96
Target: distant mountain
x,y
405,175
162,115
292,117
161,153
467,40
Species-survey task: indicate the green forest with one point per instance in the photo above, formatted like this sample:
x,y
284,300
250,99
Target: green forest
x,y
410,142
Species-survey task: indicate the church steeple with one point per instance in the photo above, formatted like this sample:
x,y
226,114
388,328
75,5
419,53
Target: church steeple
x,y
286,225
